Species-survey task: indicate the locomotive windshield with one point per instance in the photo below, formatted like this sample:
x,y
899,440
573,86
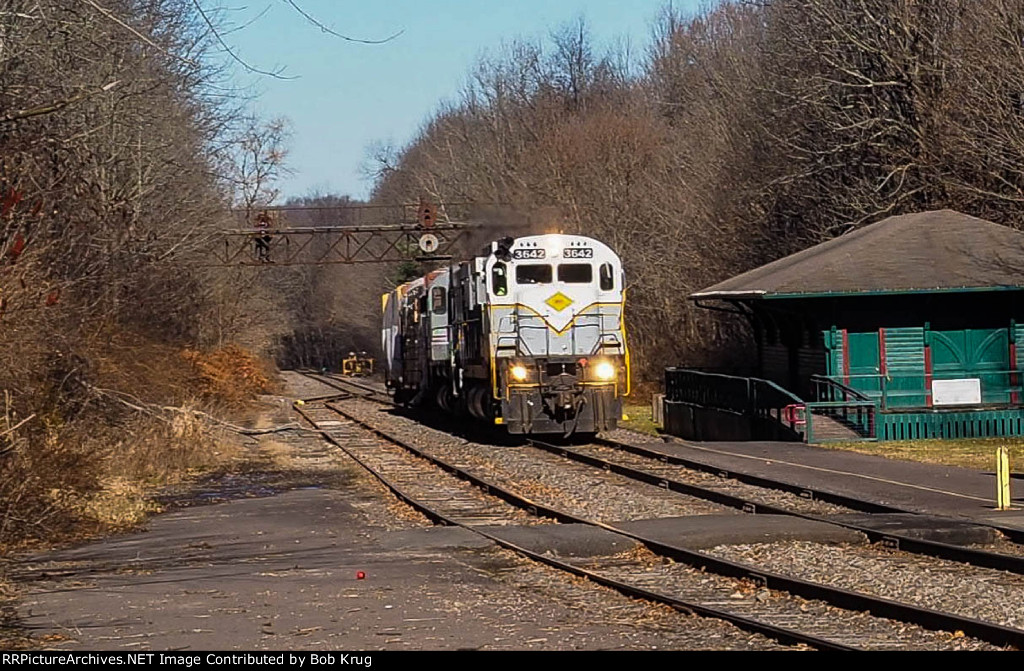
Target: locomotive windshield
x,y
533,273
576,273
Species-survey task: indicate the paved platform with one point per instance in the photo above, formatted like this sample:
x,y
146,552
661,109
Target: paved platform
x,y
705,531
280,573
922,527
567,541
912,486
564,540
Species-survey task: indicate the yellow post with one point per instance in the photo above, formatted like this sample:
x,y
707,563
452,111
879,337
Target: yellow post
x,y
1003,479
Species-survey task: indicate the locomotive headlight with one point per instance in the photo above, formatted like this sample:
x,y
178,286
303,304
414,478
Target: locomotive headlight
x,y
519,372
605,371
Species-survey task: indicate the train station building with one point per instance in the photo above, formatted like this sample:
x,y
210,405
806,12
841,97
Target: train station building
x,y
905,328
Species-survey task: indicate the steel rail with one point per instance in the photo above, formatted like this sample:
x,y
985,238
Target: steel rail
x,y
878,606
780,634
336,383
1016,535
895,540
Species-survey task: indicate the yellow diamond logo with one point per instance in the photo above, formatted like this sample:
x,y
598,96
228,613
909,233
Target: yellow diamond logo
x,y
559,301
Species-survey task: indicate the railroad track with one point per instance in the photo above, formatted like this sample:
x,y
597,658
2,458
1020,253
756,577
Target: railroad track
x,y
656,461
656,468
347,388
449,501
754,616
671,471
1014,535
678,474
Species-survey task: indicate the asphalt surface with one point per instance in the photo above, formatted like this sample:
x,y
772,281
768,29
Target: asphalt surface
x,y
925,488
305,550
278,572
282,572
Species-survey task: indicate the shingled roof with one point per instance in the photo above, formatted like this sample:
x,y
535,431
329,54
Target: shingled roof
x,y
935,251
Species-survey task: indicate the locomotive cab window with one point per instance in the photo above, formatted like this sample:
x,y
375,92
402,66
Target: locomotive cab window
x,y
533,273
607,278
439,300
576,273
499,280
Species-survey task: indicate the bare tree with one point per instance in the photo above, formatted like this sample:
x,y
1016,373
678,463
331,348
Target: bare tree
x,y
259,163
753,130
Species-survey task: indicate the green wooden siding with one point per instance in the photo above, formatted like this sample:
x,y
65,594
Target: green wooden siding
x,y
968,353
981,353
834,357
950,424
904,368
864,363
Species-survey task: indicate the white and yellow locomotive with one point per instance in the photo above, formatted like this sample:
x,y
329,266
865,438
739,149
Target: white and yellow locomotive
x,y
529,336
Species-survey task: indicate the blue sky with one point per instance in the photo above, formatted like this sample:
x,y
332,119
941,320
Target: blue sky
x,y
349,95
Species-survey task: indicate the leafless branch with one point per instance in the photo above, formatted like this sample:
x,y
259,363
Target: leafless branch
x,y
113,17
276,74
56,106
329,31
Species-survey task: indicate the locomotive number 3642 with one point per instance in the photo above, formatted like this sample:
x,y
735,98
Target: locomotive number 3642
x,y
577,253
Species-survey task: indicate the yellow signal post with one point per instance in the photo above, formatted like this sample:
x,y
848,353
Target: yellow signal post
x,y
1003,478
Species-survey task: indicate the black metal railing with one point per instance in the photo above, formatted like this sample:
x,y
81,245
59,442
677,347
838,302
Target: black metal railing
x,y
762,401
832,390
840,413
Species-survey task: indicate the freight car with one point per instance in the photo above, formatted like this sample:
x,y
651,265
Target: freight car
x,y
529,336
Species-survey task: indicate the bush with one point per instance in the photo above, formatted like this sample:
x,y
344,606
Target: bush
x,y
100,433
229,374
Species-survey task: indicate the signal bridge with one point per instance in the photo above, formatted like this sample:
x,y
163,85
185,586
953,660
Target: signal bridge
x,y
350,234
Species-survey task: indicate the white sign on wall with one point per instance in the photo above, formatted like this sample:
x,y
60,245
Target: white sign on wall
x,y
956,392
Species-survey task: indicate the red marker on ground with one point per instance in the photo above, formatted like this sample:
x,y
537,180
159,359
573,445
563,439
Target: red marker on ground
x,y
360,575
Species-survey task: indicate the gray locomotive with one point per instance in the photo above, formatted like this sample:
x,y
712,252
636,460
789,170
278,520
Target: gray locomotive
x,y
529,336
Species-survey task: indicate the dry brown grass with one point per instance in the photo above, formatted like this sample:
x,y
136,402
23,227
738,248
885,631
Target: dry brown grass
x,y
78,480
125,421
